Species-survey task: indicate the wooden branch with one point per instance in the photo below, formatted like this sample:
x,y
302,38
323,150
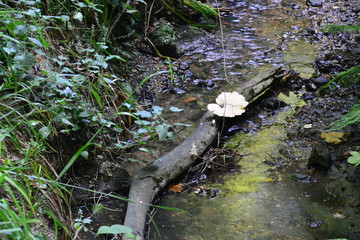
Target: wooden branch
x,y
150,179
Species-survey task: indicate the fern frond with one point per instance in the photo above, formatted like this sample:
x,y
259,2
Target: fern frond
x,y
352,117
205,10
345,78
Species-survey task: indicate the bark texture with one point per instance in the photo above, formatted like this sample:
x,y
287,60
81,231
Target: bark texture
x,y
150,179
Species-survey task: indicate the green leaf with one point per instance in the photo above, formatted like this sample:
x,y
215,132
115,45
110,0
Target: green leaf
x,y
65,18
66,121
36,42
86,220
144,114
97,208
10,230
114,56
85,154
354,159
45,131
78,16
114,229
157,110
175,109
130,11
162,131
85,114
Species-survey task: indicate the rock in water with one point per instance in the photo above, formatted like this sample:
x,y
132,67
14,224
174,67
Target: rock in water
x,y
315,3
319,157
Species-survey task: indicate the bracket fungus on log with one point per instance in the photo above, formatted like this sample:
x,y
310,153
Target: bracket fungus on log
x,y
229,104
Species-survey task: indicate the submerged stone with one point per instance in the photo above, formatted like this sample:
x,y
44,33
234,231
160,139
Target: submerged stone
x,y
315,3
319,157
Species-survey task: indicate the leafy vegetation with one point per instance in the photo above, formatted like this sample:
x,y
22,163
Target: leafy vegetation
x,y
57,81
339,28
352,117
354,159
345,78
203,10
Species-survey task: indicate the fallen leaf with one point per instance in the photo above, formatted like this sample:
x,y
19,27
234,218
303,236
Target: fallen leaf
x,y
338,216
292,99
332,137
189,99
38,58
176,188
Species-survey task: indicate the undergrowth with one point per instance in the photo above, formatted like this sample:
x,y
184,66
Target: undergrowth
x,y
351,118
347,79
57,80
339,28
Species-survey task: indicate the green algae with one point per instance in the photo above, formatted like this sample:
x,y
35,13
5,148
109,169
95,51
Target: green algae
x,y
256,148
301,55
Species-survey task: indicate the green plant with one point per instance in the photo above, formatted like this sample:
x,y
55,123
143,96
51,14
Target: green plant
x,y
352,117
53,86
116,229
204,10
345,78
354,159
339,28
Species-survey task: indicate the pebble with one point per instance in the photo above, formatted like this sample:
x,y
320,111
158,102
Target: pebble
x,y
315,3
320,81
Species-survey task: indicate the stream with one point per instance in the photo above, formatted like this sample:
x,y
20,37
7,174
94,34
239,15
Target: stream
x,y
271,194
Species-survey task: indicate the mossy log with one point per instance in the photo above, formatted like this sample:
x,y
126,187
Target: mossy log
x,y
150,179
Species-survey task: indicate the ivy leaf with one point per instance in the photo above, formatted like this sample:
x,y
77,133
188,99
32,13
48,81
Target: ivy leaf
x,y
45,132
35,41
157,110
144,114
175,109
115,229
66,121
354,159
162,131
78,16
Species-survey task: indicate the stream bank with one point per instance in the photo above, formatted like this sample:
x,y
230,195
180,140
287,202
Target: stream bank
x,y
248,66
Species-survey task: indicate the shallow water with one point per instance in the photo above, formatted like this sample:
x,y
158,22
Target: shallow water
x,y
252,33
262,201
265,201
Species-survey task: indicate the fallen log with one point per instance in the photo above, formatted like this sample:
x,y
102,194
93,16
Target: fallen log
x,y
150,179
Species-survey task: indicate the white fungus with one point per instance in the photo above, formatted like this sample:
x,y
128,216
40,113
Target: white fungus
x,y
229,104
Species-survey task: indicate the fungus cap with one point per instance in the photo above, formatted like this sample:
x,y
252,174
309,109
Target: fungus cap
x,y
229,104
